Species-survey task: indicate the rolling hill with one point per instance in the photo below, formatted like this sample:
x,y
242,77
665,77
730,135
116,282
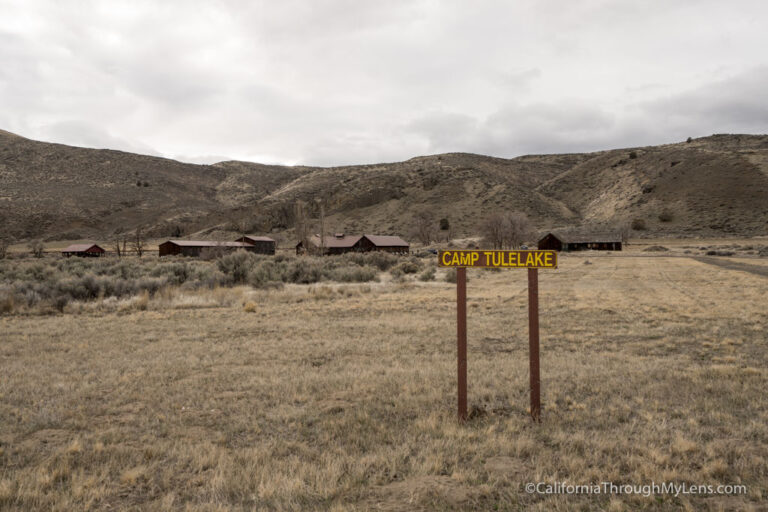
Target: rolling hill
x,y
715,185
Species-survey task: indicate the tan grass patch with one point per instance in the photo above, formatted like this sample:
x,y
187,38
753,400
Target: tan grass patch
x,y
342,397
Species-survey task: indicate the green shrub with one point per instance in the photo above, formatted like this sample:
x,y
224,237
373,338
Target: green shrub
x,y
7,302
266,272
428,275
410,266
381,260
354,274
304,271
55,282
176,273
60,302
211,277
237,265
450,276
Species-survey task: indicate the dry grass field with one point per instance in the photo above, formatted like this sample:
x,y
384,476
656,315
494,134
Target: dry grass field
x,y
342,397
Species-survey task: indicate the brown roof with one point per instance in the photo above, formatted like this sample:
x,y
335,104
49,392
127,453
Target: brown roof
x,y
585,238
344,241
335,241
80,248
387,241
205,243
258,238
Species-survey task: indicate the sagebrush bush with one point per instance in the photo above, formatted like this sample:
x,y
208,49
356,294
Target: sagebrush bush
x,y
237,265
411,266
7,302
354,274
267,271
176,272
304,271
53,283
450,276
666,215
381,260
428,275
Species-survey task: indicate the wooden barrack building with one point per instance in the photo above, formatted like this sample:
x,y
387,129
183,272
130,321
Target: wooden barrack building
x,y
196,247
594,242
341,243
262,244
83,251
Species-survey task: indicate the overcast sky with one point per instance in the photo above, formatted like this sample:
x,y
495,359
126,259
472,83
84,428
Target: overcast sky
x,y
330,82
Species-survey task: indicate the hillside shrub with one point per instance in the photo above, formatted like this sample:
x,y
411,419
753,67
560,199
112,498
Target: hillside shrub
x,y
666,215
638,224
6,301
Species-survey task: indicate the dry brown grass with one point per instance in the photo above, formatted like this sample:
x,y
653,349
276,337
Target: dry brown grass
x,y
342,397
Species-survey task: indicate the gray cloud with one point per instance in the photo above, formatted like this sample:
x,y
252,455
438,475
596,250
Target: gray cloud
x,y
350,81
739,103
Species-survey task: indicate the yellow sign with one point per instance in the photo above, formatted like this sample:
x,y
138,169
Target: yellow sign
x,y
497,259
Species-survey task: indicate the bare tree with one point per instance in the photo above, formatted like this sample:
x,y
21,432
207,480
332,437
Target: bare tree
x,y
517,229
321,216
492,230
450,234
37,248
244,220
300,224
506,230
3,248
425,226
242,225
119,244
139,243
623,229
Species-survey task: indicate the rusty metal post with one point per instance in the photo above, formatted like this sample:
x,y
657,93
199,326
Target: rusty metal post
x,y
533,341
461,337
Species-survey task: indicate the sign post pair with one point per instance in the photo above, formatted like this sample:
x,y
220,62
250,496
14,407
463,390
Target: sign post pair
x,y
533,261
